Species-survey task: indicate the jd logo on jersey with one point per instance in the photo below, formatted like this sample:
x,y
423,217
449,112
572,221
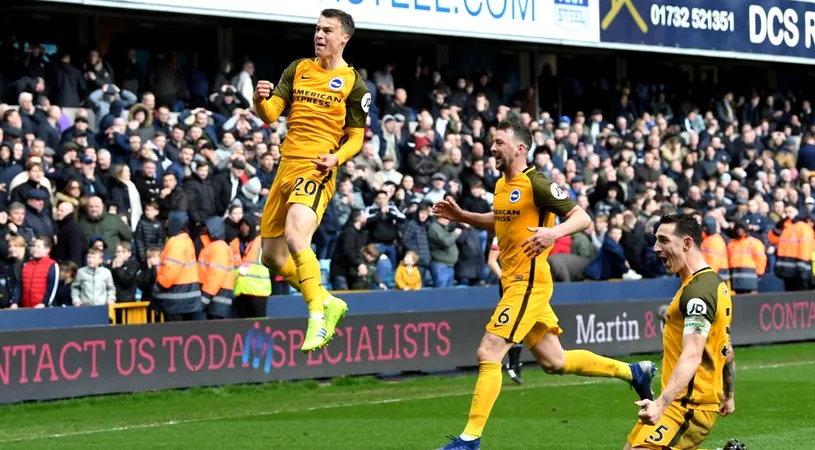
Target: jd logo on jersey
x,y
336,84
614,11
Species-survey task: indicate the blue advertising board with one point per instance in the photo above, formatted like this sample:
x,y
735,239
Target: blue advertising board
x,y
776,30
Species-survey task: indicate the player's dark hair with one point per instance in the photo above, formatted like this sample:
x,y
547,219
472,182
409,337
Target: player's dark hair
x,y
518,131
686,225
345,19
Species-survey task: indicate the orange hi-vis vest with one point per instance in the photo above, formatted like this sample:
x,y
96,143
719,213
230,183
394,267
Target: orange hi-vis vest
x,y
216,270
714,250
178,289
794,254
748,261
252,277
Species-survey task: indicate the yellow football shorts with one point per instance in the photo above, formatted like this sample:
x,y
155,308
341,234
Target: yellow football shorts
x,y
679,428
296,183
524,314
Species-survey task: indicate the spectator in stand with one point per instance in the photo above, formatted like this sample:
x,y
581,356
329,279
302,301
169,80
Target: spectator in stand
x,y
172,197
364,277
125,196
98,222
471,261
226,186
147,277
438,189
347,252
94,283
140,122
149,232
11,272
70,237
346,198
40,276
147,183
414,238
200,198
98,72
91,184
37,218
101,100
178,289
125,270
383,220
49,130
421,164
34,180
610,262
67,274
13,224
443,251
408,277
68,83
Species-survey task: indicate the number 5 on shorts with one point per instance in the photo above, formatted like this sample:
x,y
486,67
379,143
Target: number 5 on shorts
x,y
658,433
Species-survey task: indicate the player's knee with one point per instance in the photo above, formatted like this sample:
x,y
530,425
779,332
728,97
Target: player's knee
x,y
272,261
552,366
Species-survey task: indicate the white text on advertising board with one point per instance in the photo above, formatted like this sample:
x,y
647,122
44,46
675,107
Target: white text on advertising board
x,y
524,20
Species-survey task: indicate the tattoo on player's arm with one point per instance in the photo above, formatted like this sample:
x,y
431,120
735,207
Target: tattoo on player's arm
x,y
729,372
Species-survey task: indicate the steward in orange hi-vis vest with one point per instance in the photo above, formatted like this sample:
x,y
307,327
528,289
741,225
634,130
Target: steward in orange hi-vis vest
x,y
748,260
793,262
216,271
177,289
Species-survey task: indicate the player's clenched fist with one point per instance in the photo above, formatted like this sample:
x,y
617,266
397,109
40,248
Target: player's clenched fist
x,y
263,90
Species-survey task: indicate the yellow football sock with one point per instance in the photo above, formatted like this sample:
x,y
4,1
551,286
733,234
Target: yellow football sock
x,y
588,364
311,280
486,392
289,273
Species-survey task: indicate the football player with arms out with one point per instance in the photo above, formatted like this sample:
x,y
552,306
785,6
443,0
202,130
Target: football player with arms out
x,y
699,365
328,104
514,363
523,218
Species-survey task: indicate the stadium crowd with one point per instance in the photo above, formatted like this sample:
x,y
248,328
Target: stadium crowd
x,y
97,161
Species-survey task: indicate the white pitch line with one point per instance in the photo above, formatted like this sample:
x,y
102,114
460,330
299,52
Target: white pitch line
x,y
339,405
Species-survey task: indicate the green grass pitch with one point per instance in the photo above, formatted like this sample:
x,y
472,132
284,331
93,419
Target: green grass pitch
x,y
775,394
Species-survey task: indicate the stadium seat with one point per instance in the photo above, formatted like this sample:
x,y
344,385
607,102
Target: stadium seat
x,y
325,271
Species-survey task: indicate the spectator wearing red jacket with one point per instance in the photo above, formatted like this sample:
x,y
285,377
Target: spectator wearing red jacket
x,y
40,276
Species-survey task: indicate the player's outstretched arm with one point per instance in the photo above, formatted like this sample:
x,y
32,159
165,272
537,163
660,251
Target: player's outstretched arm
x,y
450,210
729,376
693,347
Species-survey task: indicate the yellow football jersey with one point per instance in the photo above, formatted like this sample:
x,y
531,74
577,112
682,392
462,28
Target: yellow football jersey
x,y
703,293
323,104
527,200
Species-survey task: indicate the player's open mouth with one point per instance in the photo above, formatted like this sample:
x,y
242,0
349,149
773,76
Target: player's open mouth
x,y
664,259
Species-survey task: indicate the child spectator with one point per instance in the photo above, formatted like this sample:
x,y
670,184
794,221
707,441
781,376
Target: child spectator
x,y
149,232
147,277
125,271
67,275
98,242
364,277
40,276
408,277
94,283
11,269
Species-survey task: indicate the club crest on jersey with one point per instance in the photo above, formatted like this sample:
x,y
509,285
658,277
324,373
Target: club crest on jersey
x,y
514,196
336,84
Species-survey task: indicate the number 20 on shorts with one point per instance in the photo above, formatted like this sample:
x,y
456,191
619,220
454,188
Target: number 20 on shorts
x,y
309,187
